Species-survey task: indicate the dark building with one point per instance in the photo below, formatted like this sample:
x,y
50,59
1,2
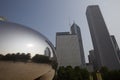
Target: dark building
x,y
115,45
69,48
91,56
105,52
92,59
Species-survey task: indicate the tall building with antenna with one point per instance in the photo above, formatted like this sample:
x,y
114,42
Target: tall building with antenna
x,y
75,30
69,49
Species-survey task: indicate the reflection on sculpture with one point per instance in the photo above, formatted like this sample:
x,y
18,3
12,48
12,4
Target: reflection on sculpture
x,y
47,52
25,54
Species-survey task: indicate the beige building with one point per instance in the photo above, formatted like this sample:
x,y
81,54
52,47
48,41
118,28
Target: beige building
x,y
68,49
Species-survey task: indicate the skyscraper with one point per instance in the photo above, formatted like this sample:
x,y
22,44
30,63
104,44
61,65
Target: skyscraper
x,y
75,30
105,52
68,49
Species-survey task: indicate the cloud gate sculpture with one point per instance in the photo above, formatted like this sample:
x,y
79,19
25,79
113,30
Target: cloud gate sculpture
x,y
25,54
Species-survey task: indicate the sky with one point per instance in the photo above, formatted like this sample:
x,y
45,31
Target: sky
x,y
51,16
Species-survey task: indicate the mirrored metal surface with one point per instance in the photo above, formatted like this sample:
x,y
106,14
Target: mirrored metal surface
x,y
24,47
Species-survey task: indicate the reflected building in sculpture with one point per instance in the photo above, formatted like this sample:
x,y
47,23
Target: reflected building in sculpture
x,y
47,52
69,48
105,52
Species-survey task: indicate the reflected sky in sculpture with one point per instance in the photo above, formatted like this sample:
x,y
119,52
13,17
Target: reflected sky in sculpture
x,y
18,38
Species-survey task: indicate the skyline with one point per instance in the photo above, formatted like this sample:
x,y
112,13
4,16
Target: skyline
x,y
49,17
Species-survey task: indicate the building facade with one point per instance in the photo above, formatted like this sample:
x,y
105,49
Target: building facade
x,y
75,30
105,52
92,59
115,45
68,50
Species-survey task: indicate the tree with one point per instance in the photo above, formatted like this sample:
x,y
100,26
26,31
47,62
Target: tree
x,y
16,57
84,74
61,73
104,73
1,57
41,59
70,73
78,73
28,56
114,75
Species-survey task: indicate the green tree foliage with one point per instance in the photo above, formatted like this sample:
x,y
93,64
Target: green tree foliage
x,y
114,75
1,56
61,74
78,73
104,73
40,59
94,75
69,73
110,74
84,74
15,57
22,57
